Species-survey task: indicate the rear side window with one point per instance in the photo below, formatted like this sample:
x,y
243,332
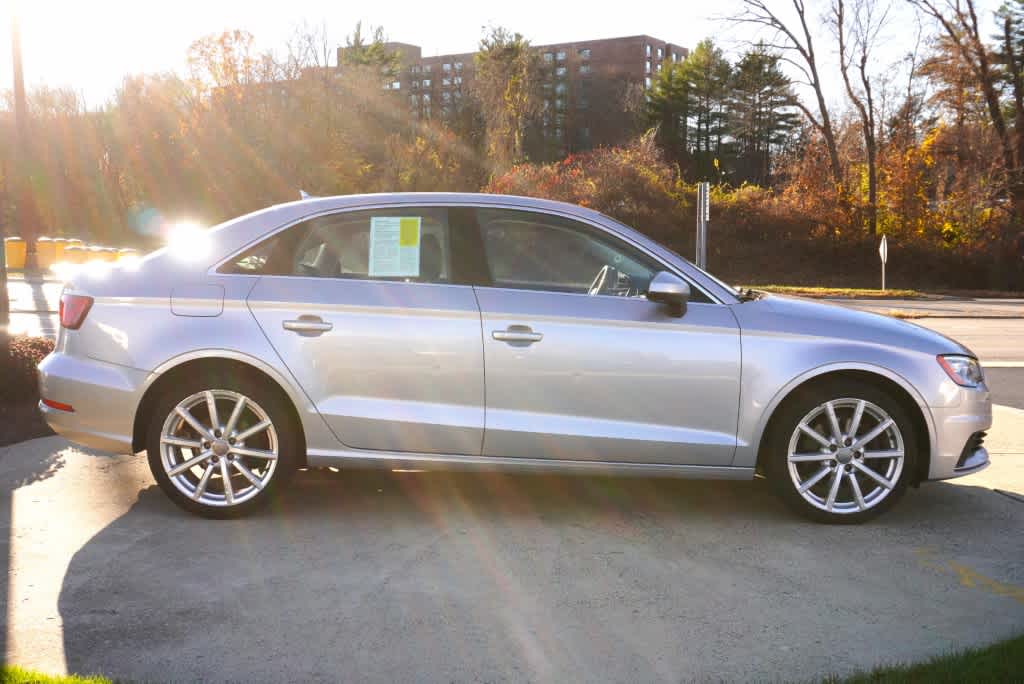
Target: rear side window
x,y
411,244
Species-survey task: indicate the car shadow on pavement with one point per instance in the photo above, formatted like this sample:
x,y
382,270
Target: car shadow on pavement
x,y
360,575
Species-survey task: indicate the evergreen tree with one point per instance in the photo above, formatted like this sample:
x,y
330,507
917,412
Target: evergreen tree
x,y
762,116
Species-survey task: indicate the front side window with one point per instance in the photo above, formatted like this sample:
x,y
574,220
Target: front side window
x,y
534,251
408,244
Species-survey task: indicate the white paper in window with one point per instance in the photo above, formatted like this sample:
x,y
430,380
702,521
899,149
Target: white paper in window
x,y
395,246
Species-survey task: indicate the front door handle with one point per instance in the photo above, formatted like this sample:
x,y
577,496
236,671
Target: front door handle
x,y
517,335
307,325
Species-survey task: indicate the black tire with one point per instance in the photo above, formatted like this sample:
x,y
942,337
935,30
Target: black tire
x,y
775,453
288,441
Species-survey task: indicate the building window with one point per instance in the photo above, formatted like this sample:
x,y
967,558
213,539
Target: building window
x,y
658,68
582,103
457,80
558,133
660,53
415,85
426,68
426,83
426,98
560,89
585,134
446,67
560,71
458,66
414,69
585,53
584,68
549,57
446,82
647,67
446,97
647,50
559,104
647,82
675,56
415,99
560,56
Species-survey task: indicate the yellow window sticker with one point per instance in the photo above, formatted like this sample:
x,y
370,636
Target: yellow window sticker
x,y
395,246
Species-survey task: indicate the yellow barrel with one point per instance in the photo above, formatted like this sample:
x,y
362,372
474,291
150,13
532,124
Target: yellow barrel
x,y
95,253
46,253
15,250
59,245
76,254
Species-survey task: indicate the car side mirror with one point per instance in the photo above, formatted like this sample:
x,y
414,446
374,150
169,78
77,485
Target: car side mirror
x,y
670,290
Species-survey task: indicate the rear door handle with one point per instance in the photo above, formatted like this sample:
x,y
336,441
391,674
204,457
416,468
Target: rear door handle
x,y
308,325
517,335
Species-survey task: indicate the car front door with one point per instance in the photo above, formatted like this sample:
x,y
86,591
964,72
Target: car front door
x,y
580,365
364,309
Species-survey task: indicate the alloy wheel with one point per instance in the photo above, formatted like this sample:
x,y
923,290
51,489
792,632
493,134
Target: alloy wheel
x,y
219,447
846,456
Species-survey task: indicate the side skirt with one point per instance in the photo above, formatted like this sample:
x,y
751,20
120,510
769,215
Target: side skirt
x,y
391,460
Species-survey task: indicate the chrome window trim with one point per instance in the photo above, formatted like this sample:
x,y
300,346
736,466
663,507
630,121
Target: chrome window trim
x,y
448,203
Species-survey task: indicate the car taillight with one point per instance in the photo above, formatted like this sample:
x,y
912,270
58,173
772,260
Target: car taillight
x,y
73,309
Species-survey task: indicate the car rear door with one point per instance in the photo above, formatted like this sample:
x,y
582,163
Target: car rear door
x,y
365,311
609,376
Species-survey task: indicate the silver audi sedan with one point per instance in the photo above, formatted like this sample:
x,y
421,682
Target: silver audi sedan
x,y
481,331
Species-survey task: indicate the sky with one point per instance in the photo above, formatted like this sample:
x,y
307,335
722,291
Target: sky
x,y
91,45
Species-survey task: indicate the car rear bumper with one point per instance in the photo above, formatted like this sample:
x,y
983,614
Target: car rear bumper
x,y
959,448
103,398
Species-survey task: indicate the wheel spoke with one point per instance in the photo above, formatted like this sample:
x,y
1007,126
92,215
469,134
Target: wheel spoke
x,y
833,421
255,429
201,486
255,453
890,453
181,442
185,465
211,407
873,475
236,413
856,490
248,474
837,479
878,429
811,432
191,420
808,458
815,479
858,413
229,493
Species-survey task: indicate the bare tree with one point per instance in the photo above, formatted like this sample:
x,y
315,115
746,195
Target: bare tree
x,y
856,27
797,46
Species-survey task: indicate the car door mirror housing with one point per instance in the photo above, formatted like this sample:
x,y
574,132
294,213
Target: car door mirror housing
x,y
670,290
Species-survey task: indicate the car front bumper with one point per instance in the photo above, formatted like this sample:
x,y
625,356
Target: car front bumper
x,y
103,396
958,450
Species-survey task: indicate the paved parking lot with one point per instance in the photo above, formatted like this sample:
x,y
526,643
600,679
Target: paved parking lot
x,y
444,577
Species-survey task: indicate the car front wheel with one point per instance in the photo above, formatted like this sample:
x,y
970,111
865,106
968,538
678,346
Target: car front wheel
x,y
221,448
841,452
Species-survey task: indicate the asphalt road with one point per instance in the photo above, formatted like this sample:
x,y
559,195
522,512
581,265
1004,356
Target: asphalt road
x,y
439,577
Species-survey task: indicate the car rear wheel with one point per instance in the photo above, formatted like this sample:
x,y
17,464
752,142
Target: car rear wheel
x,y
221,448
841,452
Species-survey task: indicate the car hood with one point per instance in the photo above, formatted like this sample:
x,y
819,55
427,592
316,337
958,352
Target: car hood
x,y
806,316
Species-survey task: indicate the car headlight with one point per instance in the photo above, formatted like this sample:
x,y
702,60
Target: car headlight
x,y
963,370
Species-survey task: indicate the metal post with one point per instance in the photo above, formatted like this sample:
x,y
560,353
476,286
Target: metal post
x,y
703,216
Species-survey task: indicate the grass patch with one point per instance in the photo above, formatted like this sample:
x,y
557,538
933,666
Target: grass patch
x,y
11,674
1001,662
851,292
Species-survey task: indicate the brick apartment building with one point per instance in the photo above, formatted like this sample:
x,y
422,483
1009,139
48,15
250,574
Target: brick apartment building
x,y
585,88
